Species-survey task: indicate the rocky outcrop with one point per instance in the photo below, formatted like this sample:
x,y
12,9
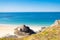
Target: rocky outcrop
x,y
23,31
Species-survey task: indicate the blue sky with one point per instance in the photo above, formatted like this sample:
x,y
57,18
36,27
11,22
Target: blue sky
x,y
29,5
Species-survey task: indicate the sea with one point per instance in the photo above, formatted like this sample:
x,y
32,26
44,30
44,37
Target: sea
x,y
29,18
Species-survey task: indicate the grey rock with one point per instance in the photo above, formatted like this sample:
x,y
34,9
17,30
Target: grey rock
x,y
23,31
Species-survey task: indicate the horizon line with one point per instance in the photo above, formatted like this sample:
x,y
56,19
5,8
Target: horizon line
x,y
44,11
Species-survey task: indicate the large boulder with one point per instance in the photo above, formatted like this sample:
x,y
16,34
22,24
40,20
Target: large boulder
x,y
23,31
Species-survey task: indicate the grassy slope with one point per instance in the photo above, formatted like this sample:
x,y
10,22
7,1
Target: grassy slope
x,y
51,33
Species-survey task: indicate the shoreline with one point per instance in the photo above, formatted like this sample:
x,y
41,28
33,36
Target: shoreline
x,y
9,29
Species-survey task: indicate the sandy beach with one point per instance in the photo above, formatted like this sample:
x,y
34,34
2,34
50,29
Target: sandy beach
x,y
6,29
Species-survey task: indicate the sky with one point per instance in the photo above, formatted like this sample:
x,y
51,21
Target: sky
x,y
29,5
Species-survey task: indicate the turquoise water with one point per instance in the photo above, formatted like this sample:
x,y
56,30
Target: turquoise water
x,y
29,18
